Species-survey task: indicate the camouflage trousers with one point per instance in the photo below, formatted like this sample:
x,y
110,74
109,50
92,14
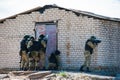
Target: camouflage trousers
x,y
33,60
87,61
24,60
42,59
37,59
56,65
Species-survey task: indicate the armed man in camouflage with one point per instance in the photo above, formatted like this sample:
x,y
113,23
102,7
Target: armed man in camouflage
x,y
89,47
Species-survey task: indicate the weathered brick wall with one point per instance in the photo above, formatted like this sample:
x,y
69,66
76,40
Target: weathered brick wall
x,y
73,31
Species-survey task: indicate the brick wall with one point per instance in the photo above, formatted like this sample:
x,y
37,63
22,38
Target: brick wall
x,y
73,31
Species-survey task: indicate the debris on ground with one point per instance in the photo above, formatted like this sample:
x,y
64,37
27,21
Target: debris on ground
x,y
51,75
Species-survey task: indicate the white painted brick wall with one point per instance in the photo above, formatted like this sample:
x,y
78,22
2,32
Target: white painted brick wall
x,y
73,32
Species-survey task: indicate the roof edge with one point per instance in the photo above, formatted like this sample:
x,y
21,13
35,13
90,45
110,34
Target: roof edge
x,y
25,12
78,12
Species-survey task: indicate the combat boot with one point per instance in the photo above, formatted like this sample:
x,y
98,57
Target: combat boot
x,y
88,70
81,68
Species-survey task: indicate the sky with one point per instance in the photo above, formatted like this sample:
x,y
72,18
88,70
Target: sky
x,y
108,8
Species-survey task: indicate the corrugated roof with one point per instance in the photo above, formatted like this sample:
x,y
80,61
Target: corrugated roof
x,y
77,12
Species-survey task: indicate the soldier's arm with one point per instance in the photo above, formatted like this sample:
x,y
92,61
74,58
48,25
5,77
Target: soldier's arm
x,y
91,44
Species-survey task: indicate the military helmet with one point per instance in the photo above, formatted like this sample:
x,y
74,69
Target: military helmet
x,y
32,38
42,36
92,37
57,52
26,37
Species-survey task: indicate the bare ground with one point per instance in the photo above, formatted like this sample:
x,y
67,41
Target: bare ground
x,y
8,74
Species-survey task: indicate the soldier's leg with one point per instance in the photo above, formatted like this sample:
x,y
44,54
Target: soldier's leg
x,y
26,60
51,66
42,59
58,65
30,63
32,60
88,61
86,55
20,53
36,60
23,61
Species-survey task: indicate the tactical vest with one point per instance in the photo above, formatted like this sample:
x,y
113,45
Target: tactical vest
x,y
87,47
42,47
23,45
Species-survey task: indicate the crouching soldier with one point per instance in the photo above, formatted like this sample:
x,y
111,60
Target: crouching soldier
x,y
89,46
54,60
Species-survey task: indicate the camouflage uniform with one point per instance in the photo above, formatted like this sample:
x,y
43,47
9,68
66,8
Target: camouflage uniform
x,y
42,52
23,53
54,60
89,46
42,59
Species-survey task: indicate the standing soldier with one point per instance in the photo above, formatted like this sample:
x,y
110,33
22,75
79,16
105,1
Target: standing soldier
x,y
23,53
43,42
89,46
